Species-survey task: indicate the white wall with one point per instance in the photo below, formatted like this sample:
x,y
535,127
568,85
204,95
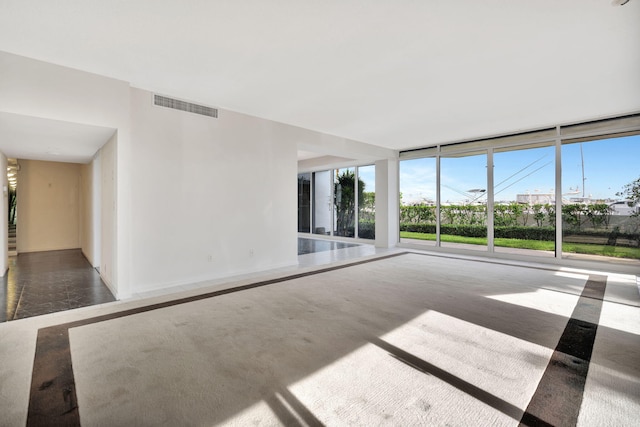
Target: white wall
x,y
387,203
322,202
48,206
40,89
96,207
108,267
4,223
211,197
90,198
182,197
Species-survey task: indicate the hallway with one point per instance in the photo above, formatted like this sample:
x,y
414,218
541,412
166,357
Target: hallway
x,y
40,283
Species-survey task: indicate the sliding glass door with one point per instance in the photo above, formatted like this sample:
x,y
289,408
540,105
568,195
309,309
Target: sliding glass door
x,y
418,201
600,215
367,202
567,191
463,200
338,202
344,202
524,214
304,203
322,203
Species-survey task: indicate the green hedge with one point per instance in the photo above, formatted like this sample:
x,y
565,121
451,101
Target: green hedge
x,y
367,229
511,232
526,233
418,227
456,230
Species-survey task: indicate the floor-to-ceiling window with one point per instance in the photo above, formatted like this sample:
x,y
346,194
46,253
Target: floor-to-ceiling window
x,y
366,202
418,200
524,199
322,202
304,203
463,200
344,202
338,202
599,216
564,191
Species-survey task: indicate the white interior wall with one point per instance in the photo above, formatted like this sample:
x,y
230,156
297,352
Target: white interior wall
x,y
236,179
86,225
90,210
107,158
4,209
322,202
41,89
387,203
96,207
211,197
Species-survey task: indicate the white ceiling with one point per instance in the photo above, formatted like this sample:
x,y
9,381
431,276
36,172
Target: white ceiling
x,y
394,73
24,137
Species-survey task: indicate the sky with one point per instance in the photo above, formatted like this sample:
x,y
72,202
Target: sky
x,y
608,166
368,175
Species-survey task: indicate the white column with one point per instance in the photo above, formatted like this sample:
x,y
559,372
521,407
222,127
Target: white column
x,y
387,203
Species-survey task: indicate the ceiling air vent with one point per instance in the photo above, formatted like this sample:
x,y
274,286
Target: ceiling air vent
x,y
176,104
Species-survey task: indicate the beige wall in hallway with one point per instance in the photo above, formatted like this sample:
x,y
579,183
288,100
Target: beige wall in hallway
x,y
48,206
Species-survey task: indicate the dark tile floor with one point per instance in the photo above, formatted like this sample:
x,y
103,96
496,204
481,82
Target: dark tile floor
x,y
309,246
46,282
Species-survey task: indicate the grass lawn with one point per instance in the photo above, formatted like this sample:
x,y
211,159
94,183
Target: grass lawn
x,y
538,245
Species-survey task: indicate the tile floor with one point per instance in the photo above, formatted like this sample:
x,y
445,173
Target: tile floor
x,y
309,246
47,282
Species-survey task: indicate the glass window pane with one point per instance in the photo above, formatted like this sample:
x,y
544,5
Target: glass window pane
x,y
599,217
322,203
367,202
304,203
418,201
345,202
463,201
524,201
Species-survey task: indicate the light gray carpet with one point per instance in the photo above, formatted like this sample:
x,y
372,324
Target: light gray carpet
x,y
411,340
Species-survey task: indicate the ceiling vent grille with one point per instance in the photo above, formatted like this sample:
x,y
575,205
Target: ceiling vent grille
x,y
163,101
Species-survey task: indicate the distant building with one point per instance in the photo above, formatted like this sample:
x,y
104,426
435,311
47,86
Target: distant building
x,y
536,198
624,207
